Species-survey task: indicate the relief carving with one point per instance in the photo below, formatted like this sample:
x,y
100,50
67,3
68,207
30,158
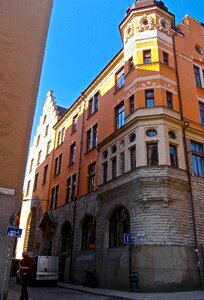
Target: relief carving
x,y
146,23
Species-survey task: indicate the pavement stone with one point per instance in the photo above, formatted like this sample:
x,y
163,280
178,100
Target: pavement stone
x,y
187,295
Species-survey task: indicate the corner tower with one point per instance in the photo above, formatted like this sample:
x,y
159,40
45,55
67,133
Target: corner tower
x,y
147,25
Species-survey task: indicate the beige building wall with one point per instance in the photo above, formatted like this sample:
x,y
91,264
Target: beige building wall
x,y
23,31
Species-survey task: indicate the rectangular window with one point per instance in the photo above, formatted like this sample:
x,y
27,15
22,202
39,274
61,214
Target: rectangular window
x,y
28,188
131,63
197,159
93,104
91,176
88,139
54,197
74,123
114,167
60,136
73,187
92,137
149,98
120,79
152,154
72,153
45,174
165,58
169,100
201,107
131,103
133,158
35,182
68,190
39,157
120,116
173,156
105,172
31,165
48,148
95,135
38,140
46,130
58,162
147,58
197,76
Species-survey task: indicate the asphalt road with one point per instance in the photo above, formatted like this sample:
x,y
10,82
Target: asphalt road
x,y
50,293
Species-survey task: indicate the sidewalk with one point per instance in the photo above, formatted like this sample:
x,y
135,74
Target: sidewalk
x,y
190,295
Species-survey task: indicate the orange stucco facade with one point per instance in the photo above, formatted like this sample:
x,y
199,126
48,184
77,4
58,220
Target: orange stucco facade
x,y
131,141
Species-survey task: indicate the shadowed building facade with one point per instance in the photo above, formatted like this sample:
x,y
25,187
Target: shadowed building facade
x,y
128,158
23,32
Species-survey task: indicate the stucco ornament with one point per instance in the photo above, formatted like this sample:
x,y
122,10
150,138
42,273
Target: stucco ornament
x,y
129,32
146,23
164,26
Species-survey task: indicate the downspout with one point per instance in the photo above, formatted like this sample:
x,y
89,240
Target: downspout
x,y
187,166
78,187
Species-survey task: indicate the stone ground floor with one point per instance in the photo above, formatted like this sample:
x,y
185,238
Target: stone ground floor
x,y
154,206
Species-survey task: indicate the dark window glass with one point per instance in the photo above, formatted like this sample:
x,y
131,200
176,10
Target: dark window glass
x,y
91,107
36,181
48,148
197,159
120,116
119,224
151,133
172,135
133,158
131,63
147,58
31,165
72,153
54,196
89,234
74,123
149,98
45,174
169,100
93,104
73,187
120,79
131,102
165,58
114,167
91,175
46,130
105,172
152,154
66,237
173,156
89,144
28,188
58,162
96,101
68,189
95,135
201,107
122,162
197,76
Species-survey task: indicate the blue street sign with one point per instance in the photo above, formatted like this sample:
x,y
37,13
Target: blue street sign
x,y
13,231
127,239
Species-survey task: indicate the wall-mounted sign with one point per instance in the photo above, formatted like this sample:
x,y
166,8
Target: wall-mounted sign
x,y
140,234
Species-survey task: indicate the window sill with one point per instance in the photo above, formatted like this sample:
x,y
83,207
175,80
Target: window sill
x,y
90,150
89,116
117,90
70,164
73,132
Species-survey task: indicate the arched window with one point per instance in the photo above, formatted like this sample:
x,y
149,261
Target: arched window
x,y
66,237
89,234
119,224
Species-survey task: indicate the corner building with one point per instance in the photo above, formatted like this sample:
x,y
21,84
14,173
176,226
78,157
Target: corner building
x,y
128,158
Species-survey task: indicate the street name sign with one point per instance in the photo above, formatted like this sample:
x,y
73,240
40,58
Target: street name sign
x,y
14,231
127,239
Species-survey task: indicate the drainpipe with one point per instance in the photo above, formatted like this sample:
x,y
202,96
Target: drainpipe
x,y
186,124
78,187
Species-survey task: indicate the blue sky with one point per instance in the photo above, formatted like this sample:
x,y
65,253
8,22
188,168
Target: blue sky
x,y
83,37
